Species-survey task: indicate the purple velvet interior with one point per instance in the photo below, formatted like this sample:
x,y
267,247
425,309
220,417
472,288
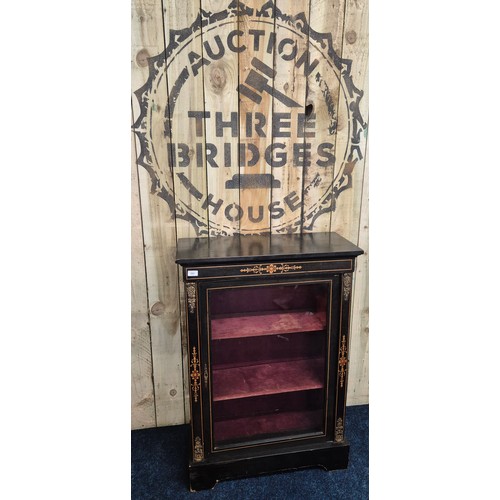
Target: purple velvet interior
x,y
263,405
256,325
266,426
259,299
269,416
267,378
260,400
255,350
268,353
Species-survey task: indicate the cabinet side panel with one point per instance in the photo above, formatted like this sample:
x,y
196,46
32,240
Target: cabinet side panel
x,y
336,327
343,356
195,374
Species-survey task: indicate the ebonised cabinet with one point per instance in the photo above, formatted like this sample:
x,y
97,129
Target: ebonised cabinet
x,y
268,330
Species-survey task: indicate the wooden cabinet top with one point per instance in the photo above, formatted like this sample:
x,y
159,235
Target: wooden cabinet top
x,y
258,248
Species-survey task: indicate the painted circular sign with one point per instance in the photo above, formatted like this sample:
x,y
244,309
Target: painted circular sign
x,y
265,150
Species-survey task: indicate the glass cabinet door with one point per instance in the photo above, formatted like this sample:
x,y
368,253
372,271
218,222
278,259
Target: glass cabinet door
x,y
268,348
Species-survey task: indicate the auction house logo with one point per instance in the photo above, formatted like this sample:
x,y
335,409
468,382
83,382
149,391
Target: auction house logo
x,y
281,163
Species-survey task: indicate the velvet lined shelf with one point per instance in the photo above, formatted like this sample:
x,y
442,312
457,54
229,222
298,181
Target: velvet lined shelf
x,y
266,324
268,378
269,424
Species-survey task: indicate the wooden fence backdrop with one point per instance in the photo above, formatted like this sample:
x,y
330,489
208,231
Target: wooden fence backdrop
x,y
247,117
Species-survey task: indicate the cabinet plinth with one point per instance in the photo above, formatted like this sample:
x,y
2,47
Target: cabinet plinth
x,y
268,330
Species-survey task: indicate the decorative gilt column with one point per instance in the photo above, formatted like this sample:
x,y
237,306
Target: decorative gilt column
x,y
343,356
195,372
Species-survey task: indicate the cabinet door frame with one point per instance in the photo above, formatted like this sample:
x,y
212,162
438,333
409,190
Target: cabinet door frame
x,y
335,401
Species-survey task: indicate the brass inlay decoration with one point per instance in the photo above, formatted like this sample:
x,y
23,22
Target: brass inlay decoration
x,y
270,269
198,450
342,360
347,279
205,375
339,431
191,296
336,266
195,374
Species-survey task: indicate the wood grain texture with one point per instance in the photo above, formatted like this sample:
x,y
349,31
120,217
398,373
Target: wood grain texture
x,y
178,16
357,388
292,82
323,85
214,90
350,218
142,398
159,232
256,48
345,218
220,77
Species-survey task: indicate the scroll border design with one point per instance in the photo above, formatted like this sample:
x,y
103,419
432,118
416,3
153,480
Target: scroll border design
x,y
347,282
195,374
342,360
339,430
270,268
191,296
198,450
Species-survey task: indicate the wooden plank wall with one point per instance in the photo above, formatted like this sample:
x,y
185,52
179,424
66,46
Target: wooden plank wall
x,y
214,81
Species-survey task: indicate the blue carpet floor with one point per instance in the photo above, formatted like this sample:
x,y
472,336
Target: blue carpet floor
x,y
160,457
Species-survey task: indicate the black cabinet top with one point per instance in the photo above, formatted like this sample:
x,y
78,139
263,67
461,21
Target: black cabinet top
x,y
255,248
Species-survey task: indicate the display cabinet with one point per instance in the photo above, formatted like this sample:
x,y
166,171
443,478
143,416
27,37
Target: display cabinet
x,y
268,337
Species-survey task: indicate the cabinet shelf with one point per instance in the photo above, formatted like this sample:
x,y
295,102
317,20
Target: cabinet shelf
x,y
274,423
266,324
267,378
